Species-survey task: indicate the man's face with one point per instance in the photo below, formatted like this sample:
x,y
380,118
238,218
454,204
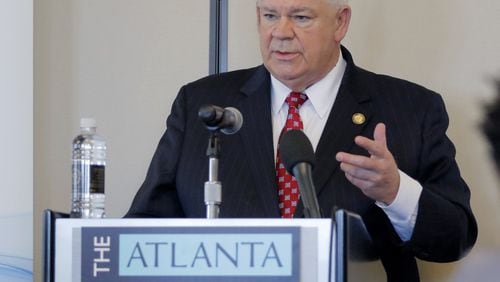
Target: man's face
x,y
300,39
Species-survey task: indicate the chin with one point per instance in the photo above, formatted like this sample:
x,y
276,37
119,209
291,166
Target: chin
x,y
283,75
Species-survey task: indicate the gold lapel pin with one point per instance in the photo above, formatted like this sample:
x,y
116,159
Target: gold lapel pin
x,y
358,118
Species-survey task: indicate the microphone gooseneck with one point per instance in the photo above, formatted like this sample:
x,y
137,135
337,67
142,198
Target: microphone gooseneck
x,y
297,155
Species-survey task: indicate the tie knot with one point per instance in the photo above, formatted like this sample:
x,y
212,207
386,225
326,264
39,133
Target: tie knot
x,y
296,99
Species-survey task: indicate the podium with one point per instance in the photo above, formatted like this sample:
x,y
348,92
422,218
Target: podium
x,y
132,250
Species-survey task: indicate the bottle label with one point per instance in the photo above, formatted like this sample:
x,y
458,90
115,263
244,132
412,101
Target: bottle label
x,y
97,179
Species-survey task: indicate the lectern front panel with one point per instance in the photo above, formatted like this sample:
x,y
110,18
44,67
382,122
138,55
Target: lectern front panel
x,y
193,250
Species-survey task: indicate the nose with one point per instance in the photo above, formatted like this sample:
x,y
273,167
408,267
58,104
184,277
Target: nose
x,y
283,29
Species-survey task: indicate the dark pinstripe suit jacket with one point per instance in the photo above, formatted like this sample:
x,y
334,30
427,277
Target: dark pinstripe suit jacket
x,y
416,122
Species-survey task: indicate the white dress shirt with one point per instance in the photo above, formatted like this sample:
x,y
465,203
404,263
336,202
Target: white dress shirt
x,y
314,113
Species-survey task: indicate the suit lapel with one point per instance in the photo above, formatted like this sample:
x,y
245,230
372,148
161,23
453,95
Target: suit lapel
x,y
340,129
257,138
339,134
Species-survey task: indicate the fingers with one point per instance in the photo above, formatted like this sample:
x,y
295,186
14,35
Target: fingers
x,y
355,161
376,147
379,134
360,183
377,174
355,171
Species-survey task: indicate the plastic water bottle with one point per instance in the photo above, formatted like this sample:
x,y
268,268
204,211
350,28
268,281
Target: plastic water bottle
x,y
89,163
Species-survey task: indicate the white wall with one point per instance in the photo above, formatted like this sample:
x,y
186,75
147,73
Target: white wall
x,y
122,62
133,55
16,140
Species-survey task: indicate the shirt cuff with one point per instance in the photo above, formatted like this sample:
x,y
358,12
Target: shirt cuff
x,y
402,212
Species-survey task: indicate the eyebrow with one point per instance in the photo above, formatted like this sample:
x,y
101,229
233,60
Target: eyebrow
x,y
301,9
291,11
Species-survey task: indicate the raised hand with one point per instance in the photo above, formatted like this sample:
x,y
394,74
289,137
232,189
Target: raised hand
x,y
377,175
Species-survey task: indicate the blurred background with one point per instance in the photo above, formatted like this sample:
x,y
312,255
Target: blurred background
x,y
16,140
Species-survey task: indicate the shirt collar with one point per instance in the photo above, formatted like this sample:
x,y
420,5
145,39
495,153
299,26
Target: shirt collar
x,y
321,94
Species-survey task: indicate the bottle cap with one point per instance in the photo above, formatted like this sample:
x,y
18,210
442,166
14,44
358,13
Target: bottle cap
x,y
88,122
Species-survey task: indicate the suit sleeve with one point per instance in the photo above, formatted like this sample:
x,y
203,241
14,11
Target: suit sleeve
x,y
445,229
157,196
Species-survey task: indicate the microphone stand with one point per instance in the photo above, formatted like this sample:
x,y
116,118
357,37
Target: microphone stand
x,y
213,187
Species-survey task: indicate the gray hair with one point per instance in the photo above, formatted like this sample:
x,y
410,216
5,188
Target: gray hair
x,y
333,2
338,2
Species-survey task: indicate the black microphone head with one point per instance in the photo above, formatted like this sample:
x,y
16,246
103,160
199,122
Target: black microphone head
x,y
211,115
295,148
228,120
234,120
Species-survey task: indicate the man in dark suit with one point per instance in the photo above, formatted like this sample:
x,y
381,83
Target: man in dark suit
x,y
380,142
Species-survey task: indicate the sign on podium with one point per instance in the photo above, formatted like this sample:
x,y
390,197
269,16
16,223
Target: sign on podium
x,y
142,250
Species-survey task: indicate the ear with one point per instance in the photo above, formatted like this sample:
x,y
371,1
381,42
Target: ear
x,y
343,18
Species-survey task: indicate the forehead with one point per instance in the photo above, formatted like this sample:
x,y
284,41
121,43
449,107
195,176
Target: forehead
x,y
292,5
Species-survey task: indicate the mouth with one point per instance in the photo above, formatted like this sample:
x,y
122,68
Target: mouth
x,y
284,55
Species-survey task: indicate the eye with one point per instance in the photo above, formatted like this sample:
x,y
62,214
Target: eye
x,y
301,18
270,17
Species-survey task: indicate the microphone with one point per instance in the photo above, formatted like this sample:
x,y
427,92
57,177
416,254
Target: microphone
x,y
297,155
228,120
